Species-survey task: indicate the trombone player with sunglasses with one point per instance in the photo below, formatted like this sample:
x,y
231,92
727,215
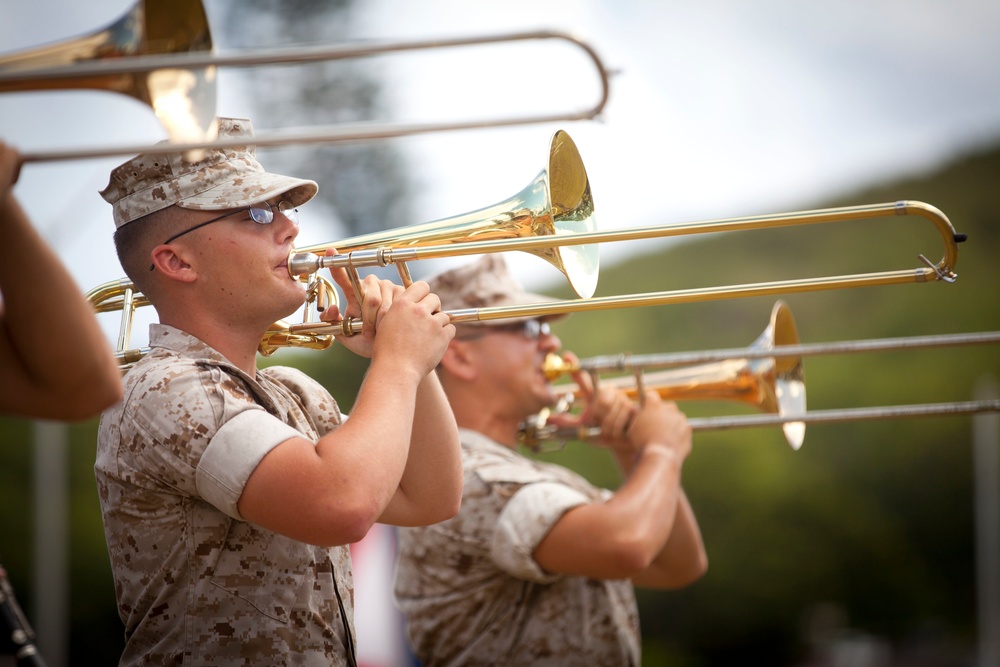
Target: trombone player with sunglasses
x,y
229,493
539,565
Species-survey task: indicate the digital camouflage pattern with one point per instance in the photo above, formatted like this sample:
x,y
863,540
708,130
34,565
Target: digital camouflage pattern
x,y
197,585
220,179
473,594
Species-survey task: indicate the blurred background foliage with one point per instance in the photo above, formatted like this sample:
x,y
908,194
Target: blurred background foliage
x,y
866,533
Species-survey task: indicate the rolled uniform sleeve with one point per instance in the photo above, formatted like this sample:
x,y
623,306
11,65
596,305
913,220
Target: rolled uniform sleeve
x,y
472,592
529,498
525,521
191,578
233,454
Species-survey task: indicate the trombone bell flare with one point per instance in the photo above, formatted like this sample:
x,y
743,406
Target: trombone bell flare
x,y
558,202
788,373
183,98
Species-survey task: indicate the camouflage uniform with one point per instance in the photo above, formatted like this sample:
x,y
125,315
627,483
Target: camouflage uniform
x,y
474,595
196,584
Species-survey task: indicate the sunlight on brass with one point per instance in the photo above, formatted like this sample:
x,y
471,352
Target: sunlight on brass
x,y
554,218
770,384
150,54
534,436
557,203
182,97
385,255
928,272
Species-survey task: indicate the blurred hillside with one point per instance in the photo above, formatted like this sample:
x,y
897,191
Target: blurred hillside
x,y
864,538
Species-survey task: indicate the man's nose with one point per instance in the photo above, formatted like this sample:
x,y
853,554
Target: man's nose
x,y
286,229
549,342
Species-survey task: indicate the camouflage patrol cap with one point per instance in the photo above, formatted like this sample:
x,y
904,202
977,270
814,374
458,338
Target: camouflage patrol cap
x,y
485,283
222,179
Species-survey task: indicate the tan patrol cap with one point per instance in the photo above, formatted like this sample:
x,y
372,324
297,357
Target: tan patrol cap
x,y
484,283
222,179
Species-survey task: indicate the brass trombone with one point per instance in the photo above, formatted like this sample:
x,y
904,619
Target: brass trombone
x,y
767,375
550,217
556,204
772,384
306,262
160,53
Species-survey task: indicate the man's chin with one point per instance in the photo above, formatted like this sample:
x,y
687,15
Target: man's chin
x,y
292,303
547,398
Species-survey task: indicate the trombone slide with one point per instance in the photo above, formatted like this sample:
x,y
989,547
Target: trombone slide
x,y
929,272
536,437
161,54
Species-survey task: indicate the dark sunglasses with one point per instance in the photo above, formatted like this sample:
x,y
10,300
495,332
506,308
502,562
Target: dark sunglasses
x,y
530,329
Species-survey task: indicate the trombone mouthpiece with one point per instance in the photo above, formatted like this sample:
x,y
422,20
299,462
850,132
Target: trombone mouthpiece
x,y
555,366
303,264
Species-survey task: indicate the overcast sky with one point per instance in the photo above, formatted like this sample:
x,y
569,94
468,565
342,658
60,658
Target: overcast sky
x,y
718,108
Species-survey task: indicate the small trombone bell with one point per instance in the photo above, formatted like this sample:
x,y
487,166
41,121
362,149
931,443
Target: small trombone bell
x,y
772,384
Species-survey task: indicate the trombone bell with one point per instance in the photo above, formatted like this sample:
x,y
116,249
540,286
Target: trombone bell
x,y
182,99
558,202
789,385
772,384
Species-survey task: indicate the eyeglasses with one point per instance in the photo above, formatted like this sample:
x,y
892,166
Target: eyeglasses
x,y
257,213
530,329
260,215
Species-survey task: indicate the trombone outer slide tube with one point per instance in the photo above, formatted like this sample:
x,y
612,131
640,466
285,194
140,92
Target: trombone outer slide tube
x,y
301,262
627,362
848,414
346,132
811,417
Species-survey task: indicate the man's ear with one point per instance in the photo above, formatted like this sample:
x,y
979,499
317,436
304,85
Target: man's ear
x,y
170,261
458,360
